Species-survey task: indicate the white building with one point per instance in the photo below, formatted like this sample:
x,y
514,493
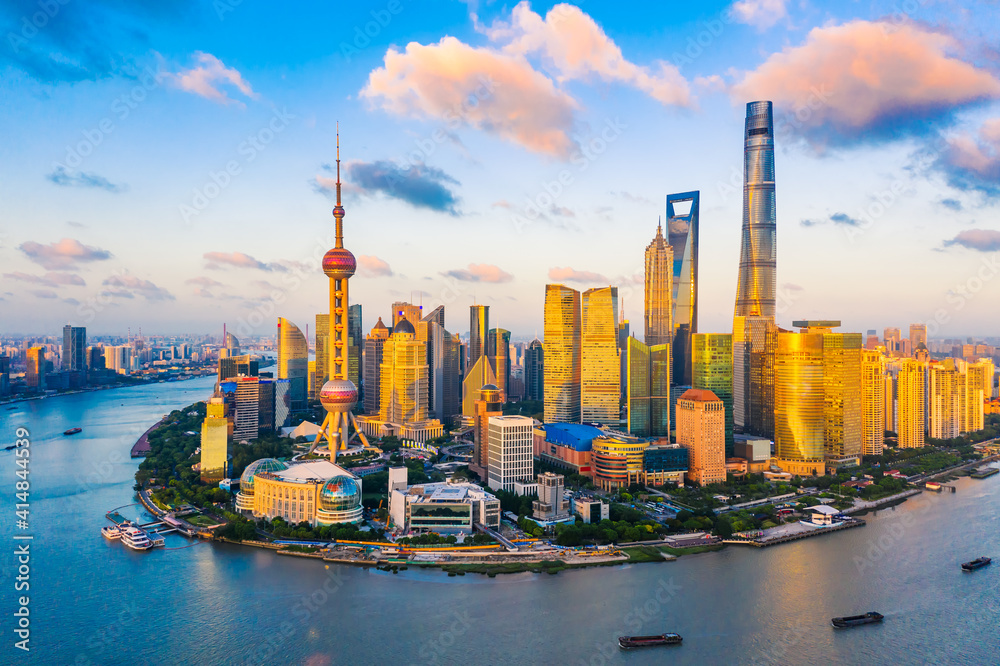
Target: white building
x,y
511,447
446,508
551,503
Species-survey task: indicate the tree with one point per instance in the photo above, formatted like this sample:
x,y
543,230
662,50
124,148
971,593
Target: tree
x,y
723,528
570,536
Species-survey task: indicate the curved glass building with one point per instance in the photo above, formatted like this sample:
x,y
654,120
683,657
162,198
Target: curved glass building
x,y
755,288
244,499
339,501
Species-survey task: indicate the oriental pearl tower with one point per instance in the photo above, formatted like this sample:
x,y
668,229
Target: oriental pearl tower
x,y
339,395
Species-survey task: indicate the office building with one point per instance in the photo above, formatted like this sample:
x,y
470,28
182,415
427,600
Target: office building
x,y
355,342
600,370
682,234
479,327
551,504
317,492
282,403
74,349
451,375
647,389
712,370
910,404
658,292
293,361
449,507
754,342
701,429
799,416
562,372
246,423
498,350
873,403
665,463
214,440
34,375
489,404
566,445
755,288
891,338
402,310
403,379
321,366
266,406
229,366
482,373
373,366
872,341
617,459
431,333
510,451
534,364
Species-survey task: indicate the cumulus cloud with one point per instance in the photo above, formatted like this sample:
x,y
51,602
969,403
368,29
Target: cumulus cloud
x,y
419,185
568,274
123,284
571,43
219,260
761,14
837,218
863,80
973,163
206,78
64,178
62,255
480,273
49,279
981,240
372,266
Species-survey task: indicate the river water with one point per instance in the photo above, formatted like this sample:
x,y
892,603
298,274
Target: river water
x,y
96,602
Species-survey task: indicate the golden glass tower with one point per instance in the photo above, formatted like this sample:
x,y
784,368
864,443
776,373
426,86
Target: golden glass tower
x,y
712,370
214,440
479,327
600,368
403,380
873,402
562,354
799,420
293,362
910,404
842,395
339,395
659,285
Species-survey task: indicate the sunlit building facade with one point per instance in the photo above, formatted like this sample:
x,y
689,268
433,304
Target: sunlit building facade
x,y
910,404
799,418
374,345
321,365
600,383
682,234
842,405
479,327
942,400
403,380
317,492
647,389
562,354
35,368
293,361
511,447
658,291
498,349
617,460
754,343
214,440
712,370
918,336
701,429
873,402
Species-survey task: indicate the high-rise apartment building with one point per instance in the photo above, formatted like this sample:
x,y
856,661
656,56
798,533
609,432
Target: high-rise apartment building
x,y
712,370
842,405
479,327
682,234
600,370
214,441
293,361
562,354
403,381
534,363
658,292
755,289
701,429
510,451
910,404
873,402
799,392
872,340
942,400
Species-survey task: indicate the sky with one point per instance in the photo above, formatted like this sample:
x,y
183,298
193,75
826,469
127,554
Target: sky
x,y
170,166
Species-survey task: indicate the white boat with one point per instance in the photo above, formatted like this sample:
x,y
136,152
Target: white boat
x,y
136,539
111,532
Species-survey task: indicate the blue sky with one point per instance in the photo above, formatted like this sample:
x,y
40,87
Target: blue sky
x,y
170,168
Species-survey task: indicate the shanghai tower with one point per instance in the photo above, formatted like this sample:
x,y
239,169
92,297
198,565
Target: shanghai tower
x,y
758,251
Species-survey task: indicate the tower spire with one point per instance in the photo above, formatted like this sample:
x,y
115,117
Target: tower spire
x,y
338,210
659,218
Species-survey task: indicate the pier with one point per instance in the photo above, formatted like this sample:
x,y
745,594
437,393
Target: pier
x,y
808,532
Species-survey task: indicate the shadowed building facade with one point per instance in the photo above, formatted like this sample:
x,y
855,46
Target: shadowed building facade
x,y
682,234
712,370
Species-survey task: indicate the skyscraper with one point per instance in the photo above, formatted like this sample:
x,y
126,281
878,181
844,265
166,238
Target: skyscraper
x,y
799,418
293,361
647,389
321,374
942,400
842,408
432,333
873,402
701,429
534,363
755,288
510,451
682,234
34,375
246,424
659,277
339,395
404,376
498,350
918,336
562,354
214,440
403,310
712,370
479,326
910,404
754,342
891,338
74,349
452,375
489,403
482,373
373,366
600,370
355,341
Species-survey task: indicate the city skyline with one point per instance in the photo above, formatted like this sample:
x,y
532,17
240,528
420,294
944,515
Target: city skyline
x,y
71,241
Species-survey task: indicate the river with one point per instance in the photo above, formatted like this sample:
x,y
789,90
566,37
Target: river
x,y
96,602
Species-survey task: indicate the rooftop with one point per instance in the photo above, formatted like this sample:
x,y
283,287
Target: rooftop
x,y
311,470
699,395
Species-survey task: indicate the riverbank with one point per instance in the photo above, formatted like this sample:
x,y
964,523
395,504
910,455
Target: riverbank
x,y
95,389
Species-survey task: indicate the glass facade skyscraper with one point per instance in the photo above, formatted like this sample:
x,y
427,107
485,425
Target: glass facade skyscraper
x,y
658,290
479,326
600,383
293,361
682,234
712,370
562,354
799,419
755,289
534,362
754,341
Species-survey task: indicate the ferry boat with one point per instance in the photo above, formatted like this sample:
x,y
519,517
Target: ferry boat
x,y
135,538
870,617
111,532
629,642
977,563
72,431
933,485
